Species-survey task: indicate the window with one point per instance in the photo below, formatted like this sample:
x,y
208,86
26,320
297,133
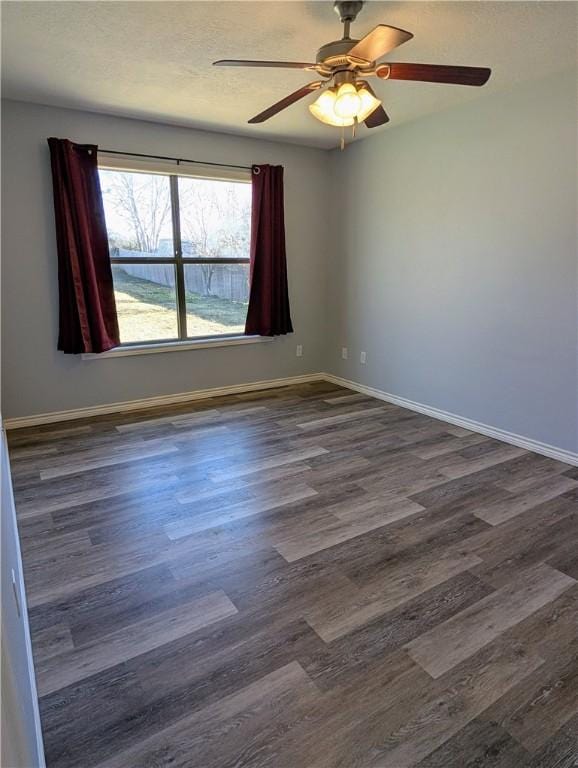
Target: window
x,y
179,248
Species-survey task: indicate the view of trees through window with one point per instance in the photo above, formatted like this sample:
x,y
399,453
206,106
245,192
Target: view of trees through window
x,y
180,254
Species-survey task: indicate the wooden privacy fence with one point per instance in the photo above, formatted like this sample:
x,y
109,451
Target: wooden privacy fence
x,y
226,281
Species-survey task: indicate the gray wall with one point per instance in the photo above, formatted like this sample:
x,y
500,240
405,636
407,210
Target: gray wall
x,y
37,378
455,261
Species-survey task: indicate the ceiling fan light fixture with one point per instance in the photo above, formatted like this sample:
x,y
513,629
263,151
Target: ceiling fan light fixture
x,y
368,103
323,108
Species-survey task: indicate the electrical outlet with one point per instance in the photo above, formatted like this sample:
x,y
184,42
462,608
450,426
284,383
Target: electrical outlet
x,y
344,353
362,358
299,350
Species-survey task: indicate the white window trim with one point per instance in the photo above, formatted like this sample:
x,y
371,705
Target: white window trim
x,y
174,346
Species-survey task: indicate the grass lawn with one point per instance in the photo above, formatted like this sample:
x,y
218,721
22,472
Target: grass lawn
x,y
147,312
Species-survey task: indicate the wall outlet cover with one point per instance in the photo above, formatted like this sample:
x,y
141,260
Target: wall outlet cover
x,y
344,353
299,350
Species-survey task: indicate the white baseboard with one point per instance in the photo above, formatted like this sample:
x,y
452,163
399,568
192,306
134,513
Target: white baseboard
x,y
154,402
527,443
475,426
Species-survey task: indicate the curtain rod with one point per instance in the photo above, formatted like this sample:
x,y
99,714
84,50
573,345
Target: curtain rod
x,y
175,159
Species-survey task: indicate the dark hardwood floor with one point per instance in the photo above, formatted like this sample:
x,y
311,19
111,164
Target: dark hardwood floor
x,y
298,578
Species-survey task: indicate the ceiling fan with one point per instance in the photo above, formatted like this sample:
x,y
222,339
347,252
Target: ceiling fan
x,y
347,98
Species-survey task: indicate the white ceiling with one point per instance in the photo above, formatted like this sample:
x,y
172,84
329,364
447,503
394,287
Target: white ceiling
x,y
152,60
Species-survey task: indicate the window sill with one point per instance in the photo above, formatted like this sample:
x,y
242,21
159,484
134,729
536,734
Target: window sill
x,y
175,346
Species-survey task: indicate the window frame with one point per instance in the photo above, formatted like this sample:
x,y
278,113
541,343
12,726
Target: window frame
x,y
174,172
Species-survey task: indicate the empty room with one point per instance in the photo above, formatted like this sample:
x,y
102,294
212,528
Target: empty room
x,y
289,395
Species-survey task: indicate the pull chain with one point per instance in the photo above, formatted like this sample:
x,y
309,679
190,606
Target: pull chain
x,y
342,142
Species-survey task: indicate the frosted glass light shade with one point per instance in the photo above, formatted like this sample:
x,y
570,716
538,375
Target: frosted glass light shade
x,y
347,101
368,104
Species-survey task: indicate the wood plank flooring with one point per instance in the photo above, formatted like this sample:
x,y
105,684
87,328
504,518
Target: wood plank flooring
x,y
298,578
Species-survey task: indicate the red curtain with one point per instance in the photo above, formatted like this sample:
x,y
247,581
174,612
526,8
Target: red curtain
x,y
268,313
88,321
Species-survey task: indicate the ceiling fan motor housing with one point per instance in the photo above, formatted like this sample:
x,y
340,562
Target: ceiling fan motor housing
x,y
334,54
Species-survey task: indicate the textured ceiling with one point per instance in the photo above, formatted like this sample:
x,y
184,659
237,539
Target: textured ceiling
x,y
153,59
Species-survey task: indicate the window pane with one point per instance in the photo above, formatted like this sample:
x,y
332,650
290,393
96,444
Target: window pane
x,y
217,298
215,218
146,301
137,208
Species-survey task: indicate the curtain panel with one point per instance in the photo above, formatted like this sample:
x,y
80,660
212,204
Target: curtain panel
x,y
268,313
88,319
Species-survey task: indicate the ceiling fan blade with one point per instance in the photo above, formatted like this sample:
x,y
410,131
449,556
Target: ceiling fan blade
x,y
378,42
286,102
379,116
434,73
252,63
